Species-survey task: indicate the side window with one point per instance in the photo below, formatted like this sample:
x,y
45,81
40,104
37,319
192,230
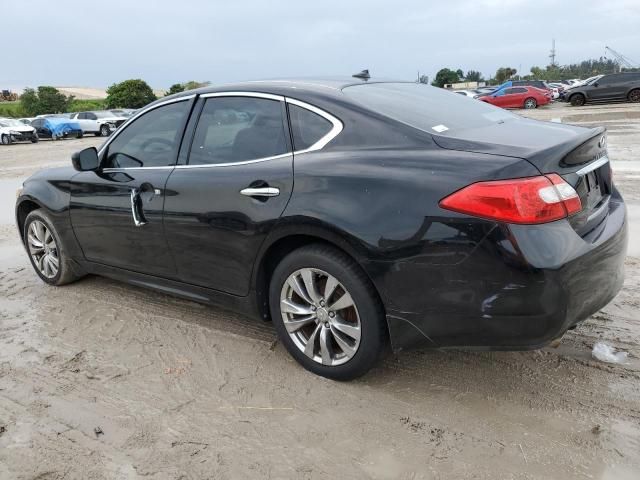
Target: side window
x,y
307,127
238,129
91,116
509,91
152,140
82,116
499,93
606,80
519,90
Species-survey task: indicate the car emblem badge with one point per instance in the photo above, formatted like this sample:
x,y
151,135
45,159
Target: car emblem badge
x,y
603,142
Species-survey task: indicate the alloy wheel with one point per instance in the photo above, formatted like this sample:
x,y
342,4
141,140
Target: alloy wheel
x,y
530,103
320,316
634,96
43,249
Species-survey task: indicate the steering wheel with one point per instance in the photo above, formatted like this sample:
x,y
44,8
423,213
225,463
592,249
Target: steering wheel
x,y
151,141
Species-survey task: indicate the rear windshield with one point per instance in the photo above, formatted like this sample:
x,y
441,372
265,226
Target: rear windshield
x,y
427,108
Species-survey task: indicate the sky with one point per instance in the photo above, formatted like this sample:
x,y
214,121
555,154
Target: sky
x,y
95,44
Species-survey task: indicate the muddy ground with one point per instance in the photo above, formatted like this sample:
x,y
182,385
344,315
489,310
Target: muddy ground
x,y
103,380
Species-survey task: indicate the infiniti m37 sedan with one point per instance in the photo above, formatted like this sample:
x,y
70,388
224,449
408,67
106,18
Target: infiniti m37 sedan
x,y
352,214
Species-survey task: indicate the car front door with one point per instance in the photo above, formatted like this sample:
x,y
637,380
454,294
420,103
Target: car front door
x,y
232,189
116,212
508,100
607,88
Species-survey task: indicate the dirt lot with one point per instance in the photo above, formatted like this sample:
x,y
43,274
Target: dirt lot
x,y
102,380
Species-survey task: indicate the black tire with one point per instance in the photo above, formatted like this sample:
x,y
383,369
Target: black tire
x,y
105,131
369,308
35,138
577,99
79,135
634,95
530,103
5,140
66,273
97,134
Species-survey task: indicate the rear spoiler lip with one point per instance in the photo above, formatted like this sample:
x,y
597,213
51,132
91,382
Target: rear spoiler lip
x,y
546,160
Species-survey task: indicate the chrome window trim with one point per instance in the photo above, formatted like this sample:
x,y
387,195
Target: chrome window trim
x,y
268,96
233,164
140,113
333,133
593,166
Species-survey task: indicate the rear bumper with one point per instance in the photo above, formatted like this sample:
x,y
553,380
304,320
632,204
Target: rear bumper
x,y
503,286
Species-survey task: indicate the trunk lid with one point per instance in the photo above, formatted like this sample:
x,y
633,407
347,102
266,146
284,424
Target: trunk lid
x,y
577,154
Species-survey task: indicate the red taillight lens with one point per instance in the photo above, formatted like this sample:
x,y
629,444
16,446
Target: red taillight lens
x,y
522,200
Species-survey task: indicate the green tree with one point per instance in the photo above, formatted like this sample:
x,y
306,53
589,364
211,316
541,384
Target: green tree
x,y
50,100
474,76
45,100
29,102
134,93
192,85
175,88
505,73
445,76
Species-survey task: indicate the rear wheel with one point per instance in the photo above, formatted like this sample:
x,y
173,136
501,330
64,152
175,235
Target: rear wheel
x,y
634,95
79,135
577,99
46,252
530,103
327,313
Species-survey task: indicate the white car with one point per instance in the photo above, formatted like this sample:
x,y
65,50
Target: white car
x,y
466,93
12,130
101,123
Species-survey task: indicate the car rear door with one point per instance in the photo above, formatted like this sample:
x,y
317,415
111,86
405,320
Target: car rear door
x,y
232,188
116,212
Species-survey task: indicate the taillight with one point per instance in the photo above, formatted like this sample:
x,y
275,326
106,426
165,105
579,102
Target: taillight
x,y
522,200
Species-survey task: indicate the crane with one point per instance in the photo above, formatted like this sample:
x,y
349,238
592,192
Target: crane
x,y
622,60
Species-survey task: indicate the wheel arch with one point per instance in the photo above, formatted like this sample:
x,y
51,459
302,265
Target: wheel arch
x,y
23,209
280,244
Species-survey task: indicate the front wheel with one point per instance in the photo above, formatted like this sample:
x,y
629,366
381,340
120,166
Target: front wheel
x,y
5,139
35,138
327,313
79,135
577,100
634,95
105,131
48,255
530,103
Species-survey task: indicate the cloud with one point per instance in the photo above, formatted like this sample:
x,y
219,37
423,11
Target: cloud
x,y
166,42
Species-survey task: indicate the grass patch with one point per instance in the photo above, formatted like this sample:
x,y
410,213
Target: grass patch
x,y
14,109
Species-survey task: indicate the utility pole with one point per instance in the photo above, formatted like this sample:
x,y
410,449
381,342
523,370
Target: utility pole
x,y
552,53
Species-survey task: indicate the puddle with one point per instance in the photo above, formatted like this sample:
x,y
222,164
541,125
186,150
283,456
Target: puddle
x,y
8,189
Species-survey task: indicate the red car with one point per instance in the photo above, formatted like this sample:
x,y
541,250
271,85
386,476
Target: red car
x,y
518,97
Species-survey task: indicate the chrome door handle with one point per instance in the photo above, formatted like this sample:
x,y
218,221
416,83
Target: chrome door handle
x,y
138,219
261,192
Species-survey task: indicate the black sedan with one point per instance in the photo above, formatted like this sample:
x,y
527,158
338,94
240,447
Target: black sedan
x,y
350,213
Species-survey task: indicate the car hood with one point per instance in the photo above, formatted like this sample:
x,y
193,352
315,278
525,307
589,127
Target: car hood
x,y
23,128
544,144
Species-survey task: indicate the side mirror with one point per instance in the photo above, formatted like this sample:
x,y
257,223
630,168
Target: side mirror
x,y
86,160
595,84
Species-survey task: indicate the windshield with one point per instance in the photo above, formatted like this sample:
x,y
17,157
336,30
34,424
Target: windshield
x,y
104,114
9,122
591,80
427,108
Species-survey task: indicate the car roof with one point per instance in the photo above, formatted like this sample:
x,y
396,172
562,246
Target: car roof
x,y
326,87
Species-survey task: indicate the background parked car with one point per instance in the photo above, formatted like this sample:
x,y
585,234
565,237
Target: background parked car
x,y
56,128
616,86
518,97
466,93
100,123
12,130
